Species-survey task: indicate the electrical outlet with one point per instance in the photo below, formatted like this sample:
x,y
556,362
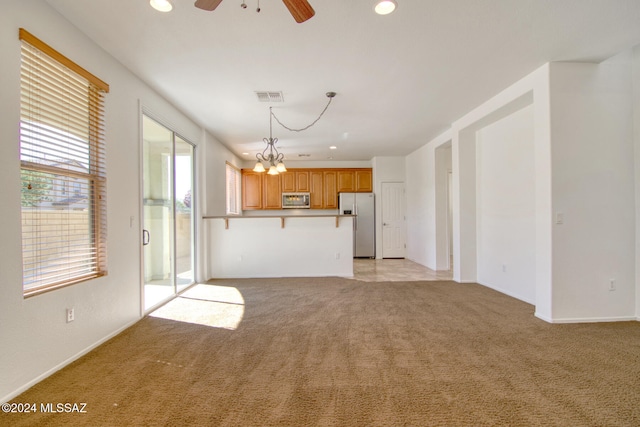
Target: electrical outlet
x,y
337,255
612,284
71,315
504,268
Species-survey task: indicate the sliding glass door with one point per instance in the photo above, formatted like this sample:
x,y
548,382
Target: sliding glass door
x,y
168,224
183,157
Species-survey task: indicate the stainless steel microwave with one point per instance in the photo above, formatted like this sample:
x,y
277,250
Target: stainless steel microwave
x,y
296,201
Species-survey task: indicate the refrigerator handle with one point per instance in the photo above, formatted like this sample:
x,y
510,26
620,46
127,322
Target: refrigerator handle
x,y
355,218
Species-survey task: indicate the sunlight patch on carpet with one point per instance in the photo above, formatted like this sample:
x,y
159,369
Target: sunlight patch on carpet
x,y
208,305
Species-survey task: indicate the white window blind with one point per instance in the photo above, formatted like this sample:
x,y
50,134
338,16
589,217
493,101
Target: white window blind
x,y
62,161
233,190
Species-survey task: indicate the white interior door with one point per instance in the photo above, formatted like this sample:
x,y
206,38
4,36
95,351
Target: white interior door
x,y
393,220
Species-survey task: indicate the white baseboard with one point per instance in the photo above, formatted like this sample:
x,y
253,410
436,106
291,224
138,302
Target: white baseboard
x,y
541,317
504,291
71,359
591,319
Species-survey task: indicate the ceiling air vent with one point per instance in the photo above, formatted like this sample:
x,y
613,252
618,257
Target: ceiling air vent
x,y
304,155
269,96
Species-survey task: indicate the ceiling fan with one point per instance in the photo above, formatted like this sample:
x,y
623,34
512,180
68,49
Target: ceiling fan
x,y
301,10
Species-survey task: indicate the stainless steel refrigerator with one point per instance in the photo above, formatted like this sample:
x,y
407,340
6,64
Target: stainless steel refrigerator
x,y
364,227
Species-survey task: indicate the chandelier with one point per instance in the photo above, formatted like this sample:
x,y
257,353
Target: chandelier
x,y
274,159
270,155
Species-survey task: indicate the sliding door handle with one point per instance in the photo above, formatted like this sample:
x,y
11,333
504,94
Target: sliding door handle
x,y
146,237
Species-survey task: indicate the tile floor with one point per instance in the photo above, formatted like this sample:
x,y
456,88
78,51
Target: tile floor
x,y
394,270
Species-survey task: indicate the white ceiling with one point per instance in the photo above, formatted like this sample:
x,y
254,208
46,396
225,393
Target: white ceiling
x,y
400,79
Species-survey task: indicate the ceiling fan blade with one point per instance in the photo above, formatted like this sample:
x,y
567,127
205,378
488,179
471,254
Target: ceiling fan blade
x,y
207,4
301,10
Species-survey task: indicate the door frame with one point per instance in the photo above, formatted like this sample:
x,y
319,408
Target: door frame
x,y
144,111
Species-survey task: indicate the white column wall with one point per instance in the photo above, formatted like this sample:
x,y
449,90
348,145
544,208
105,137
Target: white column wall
x,y
593,187
421,202
442,167
464,205
635,81
586,136
533,89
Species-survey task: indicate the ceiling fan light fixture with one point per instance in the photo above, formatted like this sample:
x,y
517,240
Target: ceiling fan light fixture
x,y
161,5
385,7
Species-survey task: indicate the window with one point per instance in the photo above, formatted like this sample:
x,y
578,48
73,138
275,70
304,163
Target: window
x,y
62,162
233,190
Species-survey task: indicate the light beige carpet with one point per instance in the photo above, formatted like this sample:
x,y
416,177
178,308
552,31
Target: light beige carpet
x,y
339,352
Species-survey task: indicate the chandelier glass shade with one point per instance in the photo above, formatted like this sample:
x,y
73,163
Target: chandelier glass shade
x,y
270,155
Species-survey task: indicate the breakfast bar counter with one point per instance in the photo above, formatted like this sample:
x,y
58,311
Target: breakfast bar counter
x,y
279,246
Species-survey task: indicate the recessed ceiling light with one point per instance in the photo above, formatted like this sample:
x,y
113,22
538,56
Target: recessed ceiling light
x,y
333,147
245,154
385,7
161,5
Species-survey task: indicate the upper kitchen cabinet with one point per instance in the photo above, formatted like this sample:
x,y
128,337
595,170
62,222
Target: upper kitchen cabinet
x,y
251,190
295,181
364,181
302,181
354,180
263,191
316,181
260,190
346,181
330,193
288,181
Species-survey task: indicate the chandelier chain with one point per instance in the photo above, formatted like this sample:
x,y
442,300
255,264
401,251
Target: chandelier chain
x,y
306,127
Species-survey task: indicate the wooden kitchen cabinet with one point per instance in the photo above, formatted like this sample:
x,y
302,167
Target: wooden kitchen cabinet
x,y
346,181
295,182
330,190
251,190
263,191
364,181
272,196
288,182
302,181
260,191
316,186
355,180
